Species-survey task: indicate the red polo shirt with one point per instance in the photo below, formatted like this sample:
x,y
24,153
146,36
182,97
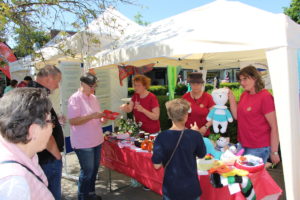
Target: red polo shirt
x,y
254,130
149,102
200,109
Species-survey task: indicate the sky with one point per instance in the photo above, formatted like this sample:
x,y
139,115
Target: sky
x,y
155,10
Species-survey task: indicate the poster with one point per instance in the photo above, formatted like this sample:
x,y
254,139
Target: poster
x,y
70,82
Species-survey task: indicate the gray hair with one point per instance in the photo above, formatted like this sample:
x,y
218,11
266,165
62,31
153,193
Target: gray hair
x,y
20,108
48,70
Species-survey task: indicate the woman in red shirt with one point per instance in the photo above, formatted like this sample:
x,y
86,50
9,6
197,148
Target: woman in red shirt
x,y
201,102
144,105
255,113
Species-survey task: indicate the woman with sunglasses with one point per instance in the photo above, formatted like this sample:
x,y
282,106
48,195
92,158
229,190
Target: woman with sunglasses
x,y
201,102
25,129
86,119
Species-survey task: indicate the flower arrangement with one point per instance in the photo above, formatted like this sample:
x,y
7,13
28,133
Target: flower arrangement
x,y
129,126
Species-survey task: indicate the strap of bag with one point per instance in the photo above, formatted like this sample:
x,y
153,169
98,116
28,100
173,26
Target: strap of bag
x,y
13,161
181,134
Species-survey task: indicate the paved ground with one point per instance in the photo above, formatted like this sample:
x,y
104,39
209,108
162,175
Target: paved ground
x,y
69,187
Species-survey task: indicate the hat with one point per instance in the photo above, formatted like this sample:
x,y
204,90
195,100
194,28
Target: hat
x,y
195,77
88,79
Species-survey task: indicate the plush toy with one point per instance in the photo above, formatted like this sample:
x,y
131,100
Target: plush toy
x,y
222,144
210,148
220,115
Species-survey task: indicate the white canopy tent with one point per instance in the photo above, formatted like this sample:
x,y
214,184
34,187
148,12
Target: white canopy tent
x,y
224,34
102,33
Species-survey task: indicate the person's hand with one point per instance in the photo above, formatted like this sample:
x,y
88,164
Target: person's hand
x,y
203,130
123,107
58,156
103,120
97,115
139,108
62,119
275,159
195,127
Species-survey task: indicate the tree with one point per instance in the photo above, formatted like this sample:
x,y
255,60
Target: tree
x,y
293,11
25,40
25,16
138,19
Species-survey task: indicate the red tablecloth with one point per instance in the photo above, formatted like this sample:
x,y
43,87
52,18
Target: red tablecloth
x,y
138,165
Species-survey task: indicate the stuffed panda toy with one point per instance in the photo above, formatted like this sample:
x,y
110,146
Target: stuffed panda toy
x,y
220,114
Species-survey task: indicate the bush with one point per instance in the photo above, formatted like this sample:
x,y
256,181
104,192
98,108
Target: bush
x,y
165,122
181,89
235,85
130,92
209,87
159,90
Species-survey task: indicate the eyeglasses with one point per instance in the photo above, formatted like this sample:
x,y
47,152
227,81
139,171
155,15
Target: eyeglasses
x,y
50,121
93,86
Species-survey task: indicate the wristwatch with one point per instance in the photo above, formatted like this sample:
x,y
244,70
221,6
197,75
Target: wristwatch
x,y
275,153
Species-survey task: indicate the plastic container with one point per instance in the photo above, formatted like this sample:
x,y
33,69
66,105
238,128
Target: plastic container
x,y
203,164
250,163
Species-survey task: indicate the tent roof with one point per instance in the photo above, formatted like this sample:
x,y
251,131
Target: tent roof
x,y
102,33
200,33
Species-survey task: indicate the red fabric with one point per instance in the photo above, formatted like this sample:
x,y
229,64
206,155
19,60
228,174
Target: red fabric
x,y
139,166
22,84
149,102
200,109
127,70
110,115
254,130
143,69
7,56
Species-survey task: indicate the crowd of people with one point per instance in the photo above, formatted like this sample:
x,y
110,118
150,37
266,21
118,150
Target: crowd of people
x,y
31,139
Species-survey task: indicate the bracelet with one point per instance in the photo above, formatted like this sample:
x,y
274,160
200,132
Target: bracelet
x,y
275,153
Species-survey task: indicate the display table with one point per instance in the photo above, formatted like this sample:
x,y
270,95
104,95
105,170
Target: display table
x,y
138,165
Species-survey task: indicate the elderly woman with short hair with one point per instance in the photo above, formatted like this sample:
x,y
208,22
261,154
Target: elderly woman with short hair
x,y
176,150
25,128
144,105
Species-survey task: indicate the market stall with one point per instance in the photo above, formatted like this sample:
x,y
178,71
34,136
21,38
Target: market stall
x,y
139,166
243,34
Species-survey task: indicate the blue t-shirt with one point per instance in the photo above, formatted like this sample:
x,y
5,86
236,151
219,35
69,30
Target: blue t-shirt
x,y
181,178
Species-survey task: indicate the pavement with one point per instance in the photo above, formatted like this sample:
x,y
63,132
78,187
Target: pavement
x,y
121,183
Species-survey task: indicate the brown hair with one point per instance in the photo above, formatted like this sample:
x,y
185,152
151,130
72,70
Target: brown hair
x,y
177,109
251,71
143,79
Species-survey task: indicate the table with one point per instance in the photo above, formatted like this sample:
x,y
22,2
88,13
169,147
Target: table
x,y
138,165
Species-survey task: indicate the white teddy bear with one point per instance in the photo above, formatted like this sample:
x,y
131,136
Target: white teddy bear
x,y
220,114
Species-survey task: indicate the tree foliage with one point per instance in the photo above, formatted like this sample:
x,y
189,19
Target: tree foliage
x,y
26,38
138,18
31,19
293,11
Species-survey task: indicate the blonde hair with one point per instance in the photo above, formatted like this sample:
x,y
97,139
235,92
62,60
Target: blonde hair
x,y
142,79
177,109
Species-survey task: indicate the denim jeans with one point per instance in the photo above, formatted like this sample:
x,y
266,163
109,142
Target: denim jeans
x,y
263,152
89,160
167,198
53,171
